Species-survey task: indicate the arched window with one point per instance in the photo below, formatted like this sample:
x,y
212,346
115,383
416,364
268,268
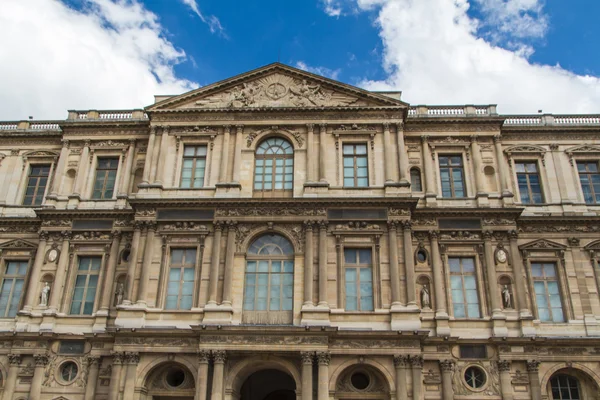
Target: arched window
x,y
564,387
274,170
269,281
415,180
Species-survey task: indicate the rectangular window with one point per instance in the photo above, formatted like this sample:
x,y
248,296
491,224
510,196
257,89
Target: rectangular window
x,y
530,186
182,271
463,284
12,288
194,166
106,176
359,279
547,292
452,176
86,284
36,185
356,172
589,177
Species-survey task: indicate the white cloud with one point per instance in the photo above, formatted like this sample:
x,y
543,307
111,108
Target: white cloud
x,y
214,24
434,54
323,71
111,55
333,8
515,18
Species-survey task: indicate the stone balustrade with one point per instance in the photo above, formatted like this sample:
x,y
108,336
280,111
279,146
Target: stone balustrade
x,y
30,125
552,120
107,115
452,111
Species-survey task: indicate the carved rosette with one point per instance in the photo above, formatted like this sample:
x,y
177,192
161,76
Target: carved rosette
x,y
323,358
14,359
416,361
401,361
219,356
503,365
203,356
447,365
533,365
307,357
41,360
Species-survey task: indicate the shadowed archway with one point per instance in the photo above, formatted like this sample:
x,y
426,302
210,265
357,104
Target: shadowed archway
x,y
268,384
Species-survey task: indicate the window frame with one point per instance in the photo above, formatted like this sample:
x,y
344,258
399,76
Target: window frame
x,y
194,158
527,174
28,178
481,299
273,193
543,261
168,266
529,153
358,267
355,167
34,158
580,387
420,176
462,168
591,185
95,178
74,267
3,276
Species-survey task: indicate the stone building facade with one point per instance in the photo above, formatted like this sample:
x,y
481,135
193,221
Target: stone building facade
x,y
279,235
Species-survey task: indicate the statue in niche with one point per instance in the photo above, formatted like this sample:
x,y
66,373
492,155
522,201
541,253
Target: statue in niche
x,y
45,294
425,298
119,294
506,297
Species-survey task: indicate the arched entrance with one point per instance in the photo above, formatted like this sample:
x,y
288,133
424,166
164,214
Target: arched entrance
x,y
268,384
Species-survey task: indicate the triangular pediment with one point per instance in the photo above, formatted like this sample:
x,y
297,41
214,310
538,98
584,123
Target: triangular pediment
x,y
586,148
17,244
542,244
275,86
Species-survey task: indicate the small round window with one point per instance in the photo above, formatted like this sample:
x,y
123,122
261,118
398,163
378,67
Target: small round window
x,y
68,371
421,256
360,380
475,377
175,377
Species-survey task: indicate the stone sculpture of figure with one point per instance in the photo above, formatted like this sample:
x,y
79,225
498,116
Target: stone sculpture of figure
x,y
120,292
45,294
506,297
425,298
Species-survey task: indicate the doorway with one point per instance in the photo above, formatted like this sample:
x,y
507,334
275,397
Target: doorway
x,y
268,384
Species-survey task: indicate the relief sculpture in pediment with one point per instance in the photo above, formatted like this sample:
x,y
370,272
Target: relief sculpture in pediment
x,y
277,91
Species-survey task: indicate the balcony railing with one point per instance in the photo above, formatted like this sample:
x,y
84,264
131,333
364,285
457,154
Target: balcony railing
x,y
107,115
552,120
452,111
29,125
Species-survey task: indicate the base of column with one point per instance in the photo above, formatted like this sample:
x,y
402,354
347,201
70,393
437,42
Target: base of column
x,y
314,316
527,328
228,189
396,189
483,200
431,200
149,190
100,323
499,327
314,189
217,314
442,327
405,319
129,317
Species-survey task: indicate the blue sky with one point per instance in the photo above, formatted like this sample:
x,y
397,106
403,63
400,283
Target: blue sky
x,y
524,55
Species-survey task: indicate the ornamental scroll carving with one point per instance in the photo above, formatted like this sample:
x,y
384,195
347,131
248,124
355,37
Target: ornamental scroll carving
x,y
267,211
277,90
274,129
265,340
245,232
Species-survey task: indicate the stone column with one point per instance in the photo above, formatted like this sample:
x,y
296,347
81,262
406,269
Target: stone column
x,y
133,258
339,260
308,263
215,259
11,379
127,173
92,378
41,361
447,366
505,379
61,272
202,379
534,379
142,296
521,302
237,157
310,159
438,276
219,358
307,375
109,278
402,155
36,271
149,152
502,168
322,152
401,364
393,255
492,277
430,182
409,265
323,264
559,167
132,360
387,153
323,359
59,171
115,376
82,172
229,257
478,167
162,155
223,178
417,376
